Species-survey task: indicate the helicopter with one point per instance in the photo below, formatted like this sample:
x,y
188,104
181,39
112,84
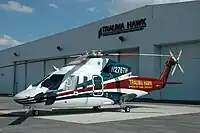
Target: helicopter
x,y
93,80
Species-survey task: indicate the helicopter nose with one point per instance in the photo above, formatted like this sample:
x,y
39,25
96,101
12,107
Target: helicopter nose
x,y
20,97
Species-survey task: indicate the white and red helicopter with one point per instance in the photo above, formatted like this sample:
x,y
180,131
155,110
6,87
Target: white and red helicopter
x,y
93,80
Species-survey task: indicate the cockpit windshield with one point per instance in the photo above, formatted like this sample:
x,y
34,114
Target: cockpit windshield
x,y
53,82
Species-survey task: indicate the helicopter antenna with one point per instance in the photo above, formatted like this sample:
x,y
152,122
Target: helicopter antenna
x,y
57,69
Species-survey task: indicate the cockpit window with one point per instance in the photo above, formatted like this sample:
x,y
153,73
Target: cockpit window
x,y
53,82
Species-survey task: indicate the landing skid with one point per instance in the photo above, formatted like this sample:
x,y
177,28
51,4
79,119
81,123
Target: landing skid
x,y
126,108
34,111
96,108
123,105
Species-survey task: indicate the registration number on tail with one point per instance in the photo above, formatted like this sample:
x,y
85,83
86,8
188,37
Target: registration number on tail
x,y
140,83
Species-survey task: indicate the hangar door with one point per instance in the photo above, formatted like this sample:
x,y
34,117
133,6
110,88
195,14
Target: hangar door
x,y
190,89
6,78
35,72
50,63
20,76
132,61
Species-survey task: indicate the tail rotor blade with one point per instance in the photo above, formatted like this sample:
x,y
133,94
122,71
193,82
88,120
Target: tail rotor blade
x,y
176,61
180,68
172,55
174,69
179,55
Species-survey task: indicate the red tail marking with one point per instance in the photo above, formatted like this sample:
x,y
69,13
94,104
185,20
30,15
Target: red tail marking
x,y
165,73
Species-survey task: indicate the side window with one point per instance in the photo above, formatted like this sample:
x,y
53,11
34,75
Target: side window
x,y
85,79
97,82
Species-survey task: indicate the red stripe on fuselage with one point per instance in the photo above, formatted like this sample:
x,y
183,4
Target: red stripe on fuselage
x,y
145,84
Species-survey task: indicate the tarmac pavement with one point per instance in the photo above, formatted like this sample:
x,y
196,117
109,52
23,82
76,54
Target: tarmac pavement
x,y
143,118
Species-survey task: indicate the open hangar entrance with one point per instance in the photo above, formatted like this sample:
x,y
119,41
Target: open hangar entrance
x,y
189,90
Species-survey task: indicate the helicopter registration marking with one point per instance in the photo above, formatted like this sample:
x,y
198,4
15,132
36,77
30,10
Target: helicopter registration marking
x,y
117,69
140,83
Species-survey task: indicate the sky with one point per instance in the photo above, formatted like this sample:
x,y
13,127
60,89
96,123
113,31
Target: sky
x,y
26,20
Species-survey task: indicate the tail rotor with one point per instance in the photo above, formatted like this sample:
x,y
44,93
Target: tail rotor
x,y
176,61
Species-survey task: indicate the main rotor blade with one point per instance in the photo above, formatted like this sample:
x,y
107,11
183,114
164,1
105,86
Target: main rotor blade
x,y
133,54
158,55
75,56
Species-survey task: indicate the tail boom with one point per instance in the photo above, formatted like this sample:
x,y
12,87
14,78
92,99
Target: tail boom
x,y
164,76
149,84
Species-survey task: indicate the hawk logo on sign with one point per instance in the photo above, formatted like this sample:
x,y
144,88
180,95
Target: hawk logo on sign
x,y
129,26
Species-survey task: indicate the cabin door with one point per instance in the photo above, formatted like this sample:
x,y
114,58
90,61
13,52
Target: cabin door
x,y
97,82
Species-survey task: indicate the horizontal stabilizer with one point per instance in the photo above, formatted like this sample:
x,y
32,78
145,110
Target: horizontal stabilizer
x,y
174,82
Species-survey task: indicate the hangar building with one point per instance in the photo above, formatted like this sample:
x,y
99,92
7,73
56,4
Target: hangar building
x,y
149,29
